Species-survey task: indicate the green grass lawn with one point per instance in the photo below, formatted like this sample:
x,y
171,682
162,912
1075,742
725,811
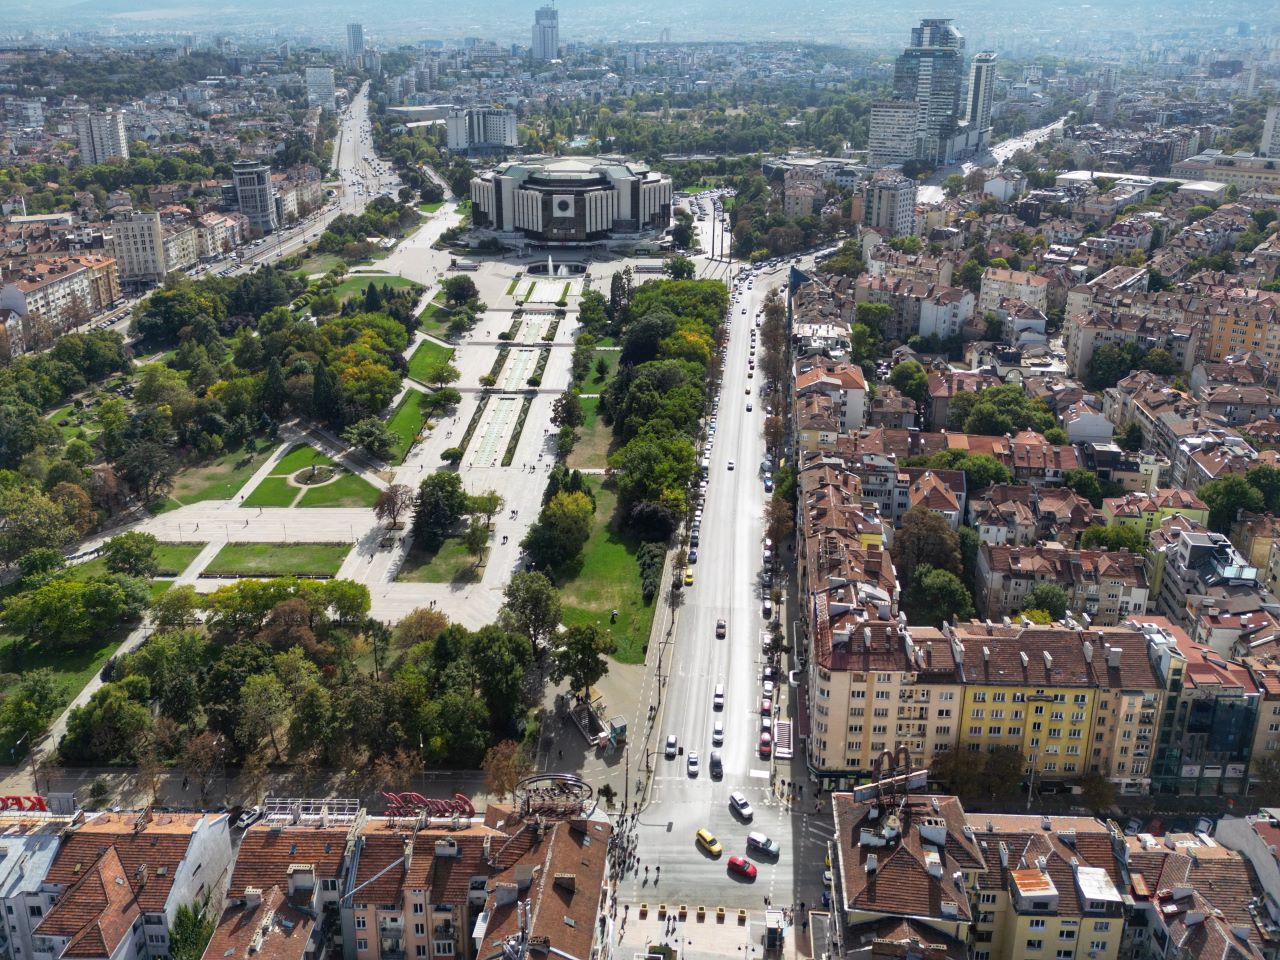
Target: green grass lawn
x,y
431,207
606,578
173,558
406,423
595,439
595,382
428,354
434,319
219,479
348,490
450,564
272,492
279,559
300,456
319,263
357,284
512,289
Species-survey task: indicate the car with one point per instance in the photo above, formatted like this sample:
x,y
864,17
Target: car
x,y
767,688
248,817
762,844
708,842
717,732
793,677
768,673
730,464
1204,825
766,610
748,406
717,697
693,540
693,554
747,391
721,629
766,745
768,483
691,763
715,764
672,746
688,579
740,805
826,877
742,867
766,724
766,707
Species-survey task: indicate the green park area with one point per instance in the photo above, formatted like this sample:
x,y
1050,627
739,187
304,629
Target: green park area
x,y
431,207
450,564
358,283
406,423
597,381
304,477
217,479
278,560
434,319
426,356
606,577
319,263
595,439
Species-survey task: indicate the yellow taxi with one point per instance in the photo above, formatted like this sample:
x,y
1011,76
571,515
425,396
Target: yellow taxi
x,y
688,577
708,842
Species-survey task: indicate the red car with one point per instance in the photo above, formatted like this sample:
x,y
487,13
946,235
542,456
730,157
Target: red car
x,y
766,707
742,867
766,745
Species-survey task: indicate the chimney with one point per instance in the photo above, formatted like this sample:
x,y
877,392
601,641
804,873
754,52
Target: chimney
x,y
252,897
871,863
1088,652
1113,657
1022,655
1048,660
986,654
1004,854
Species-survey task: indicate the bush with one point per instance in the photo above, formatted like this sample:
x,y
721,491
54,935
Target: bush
x,y
451,455
534,381
650,558
505,335
565,442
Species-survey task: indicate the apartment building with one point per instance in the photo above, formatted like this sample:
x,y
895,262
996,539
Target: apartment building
x,y
147,249
63,292
1048,887
119,878
30,842
1107,586
1207,730
999,283
1199,564
891,205
898,873
102,137
843,382
1145,511
255,195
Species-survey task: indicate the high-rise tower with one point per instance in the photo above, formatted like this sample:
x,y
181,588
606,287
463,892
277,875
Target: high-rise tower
x,y
546,33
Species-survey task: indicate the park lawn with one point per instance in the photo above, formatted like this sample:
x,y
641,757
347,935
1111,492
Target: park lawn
x,y
173,558
428,354
434,318
72,669
610,357
348,490
319,263
358,283
299,457
700,187
279,559
606,577
595,439
272,492
431,207
450,564
406,423
218,479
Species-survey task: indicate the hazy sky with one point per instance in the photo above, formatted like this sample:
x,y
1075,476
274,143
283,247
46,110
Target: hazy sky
x,y
389,22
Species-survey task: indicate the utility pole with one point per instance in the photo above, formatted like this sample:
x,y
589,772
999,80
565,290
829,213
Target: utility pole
x,y
1031,781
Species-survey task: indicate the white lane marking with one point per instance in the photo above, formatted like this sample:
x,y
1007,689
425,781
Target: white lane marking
x,y
764,774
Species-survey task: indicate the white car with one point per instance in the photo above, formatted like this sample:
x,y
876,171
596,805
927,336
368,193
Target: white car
x,y
693,763
739,804
717,732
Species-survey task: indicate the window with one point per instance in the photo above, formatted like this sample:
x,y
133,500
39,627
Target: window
x,y
329,884
1066,954
1038,711
1097,905
882,694
1037,923
944,713
420,950
975,731
1102,926
418,908
979,714
948,695
1098,945
1056,715
1081,698
979,697
997,698
987,898
361,923
419,929
1035,944
1066,934
442,948
1051,766
362,943
997,714
33,911
993,731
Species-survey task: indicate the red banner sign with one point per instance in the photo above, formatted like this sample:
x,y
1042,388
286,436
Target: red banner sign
x,y
412,804
24,804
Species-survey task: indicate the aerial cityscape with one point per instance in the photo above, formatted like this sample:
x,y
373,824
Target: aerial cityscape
x,y
566,481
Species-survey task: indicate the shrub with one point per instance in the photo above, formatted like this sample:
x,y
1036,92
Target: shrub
x,y
451,455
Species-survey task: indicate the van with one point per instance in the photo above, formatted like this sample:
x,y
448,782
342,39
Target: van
x,y
768,609
717,698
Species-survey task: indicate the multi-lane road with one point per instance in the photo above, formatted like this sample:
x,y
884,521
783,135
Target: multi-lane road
x,y
727,586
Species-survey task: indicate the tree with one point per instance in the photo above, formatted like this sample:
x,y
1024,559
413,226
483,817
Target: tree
x,y
441,503
1226,497
459,289
1086,483
476,538
66,613
580,657
909,378
925,537
147,467
567,410
1096,791
505,764
935,596
190,933
326,405
533,606
679,268
26,711
1266,772
274,392
133,554
1266,480
392,502
440,374
1048,597
29,520
487,503
176,609
372,436
983,470
960,771
1119,537
1002,773
264,708
562,530
775,432
779,521
201,757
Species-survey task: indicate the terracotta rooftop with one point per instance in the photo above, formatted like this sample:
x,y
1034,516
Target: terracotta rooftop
x,y
271,929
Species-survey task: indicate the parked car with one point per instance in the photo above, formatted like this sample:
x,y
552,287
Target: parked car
x,y
248,817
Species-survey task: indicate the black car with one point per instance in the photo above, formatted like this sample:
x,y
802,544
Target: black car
x,y
716,765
